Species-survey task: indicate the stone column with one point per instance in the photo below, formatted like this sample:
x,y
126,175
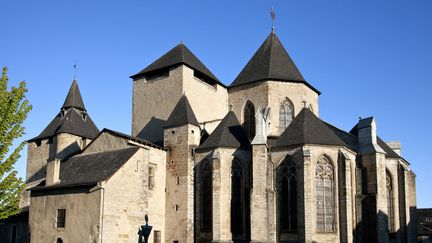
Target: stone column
x,y
307,218
345,203
221,198
258,208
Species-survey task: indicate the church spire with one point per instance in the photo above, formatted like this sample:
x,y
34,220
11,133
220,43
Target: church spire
x,y
73,98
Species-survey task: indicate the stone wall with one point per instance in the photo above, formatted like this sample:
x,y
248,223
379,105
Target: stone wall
x,y
148,115
38,153
180,142
272,94
60,146
297,93
82,222
126,199
209,102
257,93
306,159
105,142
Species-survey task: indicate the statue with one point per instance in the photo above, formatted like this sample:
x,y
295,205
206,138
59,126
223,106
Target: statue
x,y
144,231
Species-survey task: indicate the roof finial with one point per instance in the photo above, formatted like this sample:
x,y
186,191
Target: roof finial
x,y
75,70
273,16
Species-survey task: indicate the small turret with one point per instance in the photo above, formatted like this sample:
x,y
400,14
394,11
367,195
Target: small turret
x,y
181,135
70,131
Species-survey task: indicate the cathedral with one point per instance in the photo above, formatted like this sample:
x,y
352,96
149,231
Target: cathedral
x,y
207,162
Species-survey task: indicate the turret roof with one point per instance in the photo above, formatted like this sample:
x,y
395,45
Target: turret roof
x,y
72,118
270,62
180,54
182,114
229,133
73,98
306,128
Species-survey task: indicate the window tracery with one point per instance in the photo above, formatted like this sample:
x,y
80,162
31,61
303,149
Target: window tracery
x,y
324,177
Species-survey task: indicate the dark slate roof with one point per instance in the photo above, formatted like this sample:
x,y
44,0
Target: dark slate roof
x,y
347,137
73,118
390,153
229,133
306,128
72,122
270,62
88,169
424,224
136,139
73,98
180,54
182,114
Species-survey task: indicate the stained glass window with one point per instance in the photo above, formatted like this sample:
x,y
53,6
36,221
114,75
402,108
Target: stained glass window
x,y
286,114
325,195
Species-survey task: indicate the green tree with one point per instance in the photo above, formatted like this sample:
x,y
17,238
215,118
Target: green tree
x,y
14,108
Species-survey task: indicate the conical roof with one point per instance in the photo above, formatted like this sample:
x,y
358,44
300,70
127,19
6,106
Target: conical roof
x,y
229,133
306,128
270,62
73,98
72,118
182,114
180,54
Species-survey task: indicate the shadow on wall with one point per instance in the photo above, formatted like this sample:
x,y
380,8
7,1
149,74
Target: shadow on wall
x,y
153,131
69,150
369,220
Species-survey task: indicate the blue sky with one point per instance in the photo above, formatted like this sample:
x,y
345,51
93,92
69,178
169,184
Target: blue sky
x,y
366,57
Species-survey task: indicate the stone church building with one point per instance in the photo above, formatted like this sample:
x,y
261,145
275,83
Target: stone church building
x,y
207,162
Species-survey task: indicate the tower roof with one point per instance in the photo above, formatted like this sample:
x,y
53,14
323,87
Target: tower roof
x,y
72,118
180,54
73,98
182,114
229,133
271,62
306,128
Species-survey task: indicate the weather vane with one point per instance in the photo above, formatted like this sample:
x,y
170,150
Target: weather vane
x,y
273,16
75,70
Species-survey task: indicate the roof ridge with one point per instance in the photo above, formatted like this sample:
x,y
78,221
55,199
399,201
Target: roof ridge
x,y
271,54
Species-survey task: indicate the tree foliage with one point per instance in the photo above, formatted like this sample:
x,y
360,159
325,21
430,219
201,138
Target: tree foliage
x,y
14,108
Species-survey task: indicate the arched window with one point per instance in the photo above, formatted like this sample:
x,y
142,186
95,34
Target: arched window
x,y
324,177
286,114
389,187
237,193
206,196
249,119
59,240
287,195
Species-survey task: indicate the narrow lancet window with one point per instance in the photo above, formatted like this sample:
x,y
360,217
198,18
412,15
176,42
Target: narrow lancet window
x,y
287,195
389,202
207,197
286,114
249,119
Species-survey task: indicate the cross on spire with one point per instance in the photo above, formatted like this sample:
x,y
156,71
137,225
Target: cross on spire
x,y
273,16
